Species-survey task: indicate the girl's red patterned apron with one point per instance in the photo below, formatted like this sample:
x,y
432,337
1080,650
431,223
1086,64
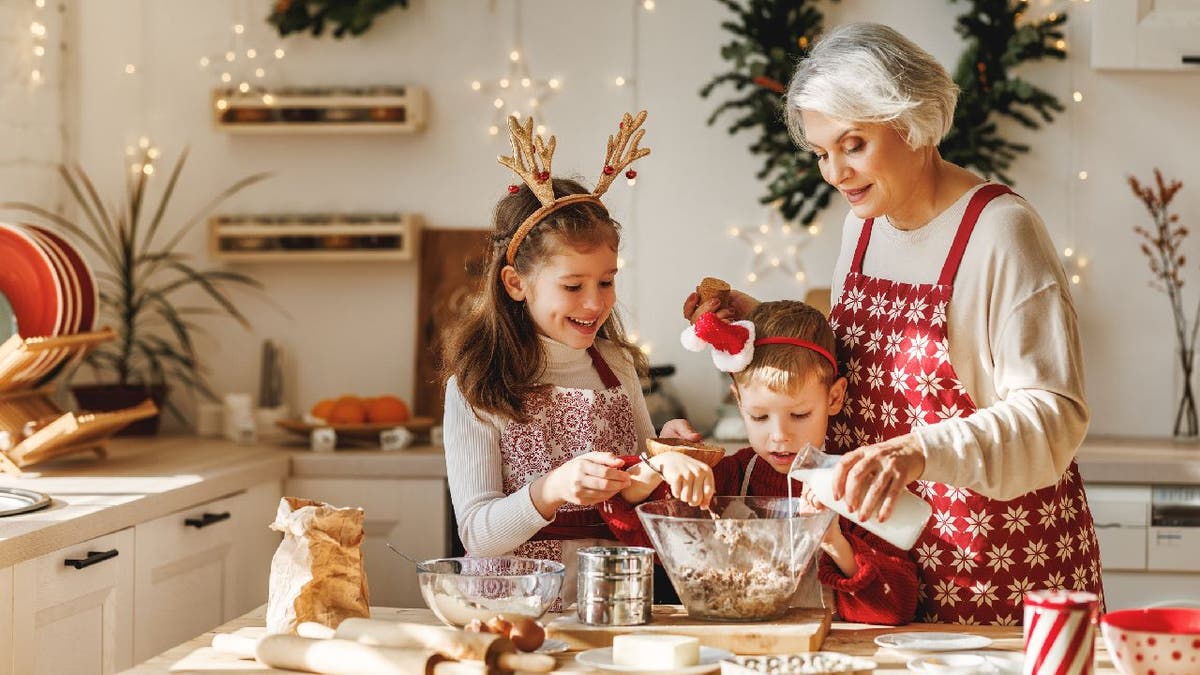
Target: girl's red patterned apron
x,y
977,556
565,423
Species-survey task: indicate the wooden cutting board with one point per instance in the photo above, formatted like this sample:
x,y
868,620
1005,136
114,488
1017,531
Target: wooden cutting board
x,y
801,630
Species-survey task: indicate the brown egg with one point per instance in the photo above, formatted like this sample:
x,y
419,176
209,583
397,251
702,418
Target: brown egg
x,y
527,634
498,625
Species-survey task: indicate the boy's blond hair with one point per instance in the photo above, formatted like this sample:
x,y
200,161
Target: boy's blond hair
x,y
786,368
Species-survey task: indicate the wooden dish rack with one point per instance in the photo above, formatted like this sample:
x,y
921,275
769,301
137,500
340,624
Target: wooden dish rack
x,y
23,401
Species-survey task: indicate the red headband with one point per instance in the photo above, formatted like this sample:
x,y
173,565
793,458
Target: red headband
x,y
796,342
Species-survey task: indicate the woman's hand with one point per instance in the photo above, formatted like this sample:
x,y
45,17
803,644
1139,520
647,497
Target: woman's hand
x,y
690,479
736,308
870,478
679,428
585,480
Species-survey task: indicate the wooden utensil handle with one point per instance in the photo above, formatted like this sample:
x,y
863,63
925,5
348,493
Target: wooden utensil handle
x,y
526,663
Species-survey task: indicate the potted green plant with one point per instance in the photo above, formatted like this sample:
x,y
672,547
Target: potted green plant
x,y
141,276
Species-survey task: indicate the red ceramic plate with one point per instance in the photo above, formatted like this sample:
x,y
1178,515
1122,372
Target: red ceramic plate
x,y
27,279
89,291
69,286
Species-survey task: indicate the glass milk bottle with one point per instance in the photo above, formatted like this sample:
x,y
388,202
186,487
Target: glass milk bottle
x,y
909,516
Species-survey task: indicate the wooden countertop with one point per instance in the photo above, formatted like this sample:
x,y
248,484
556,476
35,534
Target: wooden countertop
x,y
197,655
1117,459
141,479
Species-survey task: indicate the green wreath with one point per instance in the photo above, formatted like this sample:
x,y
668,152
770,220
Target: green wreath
x,y
347,16
771,35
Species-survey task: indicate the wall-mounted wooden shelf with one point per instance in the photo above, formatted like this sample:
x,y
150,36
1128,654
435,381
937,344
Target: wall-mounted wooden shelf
x,y
300,237
322,110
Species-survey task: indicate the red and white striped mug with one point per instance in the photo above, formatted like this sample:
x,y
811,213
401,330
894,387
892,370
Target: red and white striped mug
x,y
1060,632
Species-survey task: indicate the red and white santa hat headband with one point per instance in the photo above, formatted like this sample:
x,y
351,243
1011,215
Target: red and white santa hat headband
x,y
733,343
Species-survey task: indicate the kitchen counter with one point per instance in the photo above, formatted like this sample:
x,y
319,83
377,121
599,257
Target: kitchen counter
x,y
1116,459
197,655
141,479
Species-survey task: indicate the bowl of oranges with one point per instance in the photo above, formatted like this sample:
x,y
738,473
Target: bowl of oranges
x,y
360,416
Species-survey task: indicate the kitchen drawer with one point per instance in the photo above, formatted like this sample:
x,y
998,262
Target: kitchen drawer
x,y
1125,590
1119,505
202,566
1121,548
1174,549
73,608
184,575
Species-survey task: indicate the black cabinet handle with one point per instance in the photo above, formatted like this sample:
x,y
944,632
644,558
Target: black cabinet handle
x,y
92,558
1191,58
206,520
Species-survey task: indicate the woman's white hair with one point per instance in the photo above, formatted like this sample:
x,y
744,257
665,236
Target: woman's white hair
x,y
868,72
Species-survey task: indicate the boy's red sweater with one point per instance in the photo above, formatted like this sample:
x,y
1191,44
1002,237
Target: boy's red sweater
x,y
885,589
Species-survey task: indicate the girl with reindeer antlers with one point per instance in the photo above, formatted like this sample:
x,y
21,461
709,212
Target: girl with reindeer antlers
x,y
544,409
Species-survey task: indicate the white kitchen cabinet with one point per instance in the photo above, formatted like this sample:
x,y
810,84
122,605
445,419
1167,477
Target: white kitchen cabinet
x,y
1121,514
256,544
410,513
73,608
199,567
6,620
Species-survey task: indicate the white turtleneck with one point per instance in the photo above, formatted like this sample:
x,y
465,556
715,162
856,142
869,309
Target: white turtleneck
x,y
489,522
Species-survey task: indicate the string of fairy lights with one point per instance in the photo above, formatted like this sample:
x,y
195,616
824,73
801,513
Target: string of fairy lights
x,y
33,119
1074,261
777,245
242,68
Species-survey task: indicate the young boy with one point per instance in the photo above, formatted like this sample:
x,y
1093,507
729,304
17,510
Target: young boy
x,y
787,385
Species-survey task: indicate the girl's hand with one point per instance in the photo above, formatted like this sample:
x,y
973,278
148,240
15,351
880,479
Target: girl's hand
x,y
679,428
691,480
737,308
585,480
870,478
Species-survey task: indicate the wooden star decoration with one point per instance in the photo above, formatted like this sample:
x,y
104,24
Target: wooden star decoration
x,y
776,244
516,94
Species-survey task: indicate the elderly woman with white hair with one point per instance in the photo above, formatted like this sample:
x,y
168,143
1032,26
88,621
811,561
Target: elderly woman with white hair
x,y
957,333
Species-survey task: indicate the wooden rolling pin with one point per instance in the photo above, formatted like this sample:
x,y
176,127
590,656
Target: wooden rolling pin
x,y
346,657
496,651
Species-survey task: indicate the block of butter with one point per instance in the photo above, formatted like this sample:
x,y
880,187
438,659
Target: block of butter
x,y
655,651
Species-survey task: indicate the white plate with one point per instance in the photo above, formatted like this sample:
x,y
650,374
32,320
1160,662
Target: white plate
x,y
551,646
932,642
601,659
993,663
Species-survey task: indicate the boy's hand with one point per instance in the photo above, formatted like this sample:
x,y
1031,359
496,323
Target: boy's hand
x,y
691,480
585,480
679,428
738,306
834,543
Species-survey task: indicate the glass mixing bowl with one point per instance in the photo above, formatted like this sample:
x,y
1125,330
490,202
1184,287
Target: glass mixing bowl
x,y
461,589
743,565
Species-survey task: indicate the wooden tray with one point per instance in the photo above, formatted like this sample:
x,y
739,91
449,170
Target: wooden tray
x,y
801,630
356,430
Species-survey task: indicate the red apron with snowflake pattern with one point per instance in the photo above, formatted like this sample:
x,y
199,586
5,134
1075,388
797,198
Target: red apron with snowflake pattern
x,y
563,424
977,556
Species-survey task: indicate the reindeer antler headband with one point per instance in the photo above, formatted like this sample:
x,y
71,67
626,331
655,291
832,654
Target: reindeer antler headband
x,y
531,160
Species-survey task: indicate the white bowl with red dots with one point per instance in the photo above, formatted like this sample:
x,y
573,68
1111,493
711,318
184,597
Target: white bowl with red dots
x,y
1153,641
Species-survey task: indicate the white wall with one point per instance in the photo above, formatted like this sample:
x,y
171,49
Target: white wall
x,y
350,327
